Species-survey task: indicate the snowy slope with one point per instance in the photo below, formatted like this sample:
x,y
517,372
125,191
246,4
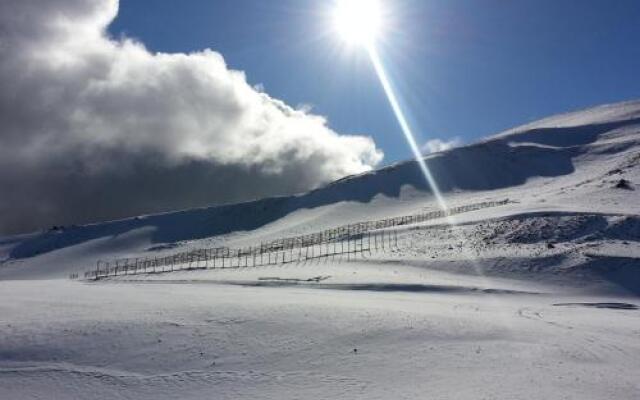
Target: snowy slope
x,y
566,163
534,299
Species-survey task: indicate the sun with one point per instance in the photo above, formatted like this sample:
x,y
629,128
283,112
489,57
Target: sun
x,y
358,22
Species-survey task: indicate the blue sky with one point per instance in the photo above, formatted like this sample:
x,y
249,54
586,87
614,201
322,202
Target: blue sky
x,y
463,68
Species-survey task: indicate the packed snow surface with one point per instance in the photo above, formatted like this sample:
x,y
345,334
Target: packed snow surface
x,y
534,299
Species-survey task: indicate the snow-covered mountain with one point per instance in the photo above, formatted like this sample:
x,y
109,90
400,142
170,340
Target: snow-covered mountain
x,y
533,299
566,163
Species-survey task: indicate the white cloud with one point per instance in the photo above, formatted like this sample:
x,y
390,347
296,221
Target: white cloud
x,y
436,145
79,109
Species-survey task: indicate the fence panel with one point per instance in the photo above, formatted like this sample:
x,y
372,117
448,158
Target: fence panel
x,y
349,240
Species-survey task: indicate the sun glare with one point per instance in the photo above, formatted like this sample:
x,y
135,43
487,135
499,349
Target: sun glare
x,y
361,22
358,21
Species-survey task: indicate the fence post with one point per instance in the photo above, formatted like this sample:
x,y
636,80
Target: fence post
x,y
261,253
348,247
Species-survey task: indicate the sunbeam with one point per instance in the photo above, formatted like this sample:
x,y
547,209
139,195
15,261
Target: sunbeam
x,y
415,149
404,125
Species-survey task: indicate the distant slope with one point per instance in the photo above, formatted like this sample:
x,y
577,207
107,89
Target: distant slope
x,y
575,147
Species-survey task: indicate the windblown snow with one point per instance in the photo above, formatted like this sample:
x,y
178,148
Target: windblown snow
x,y
537,298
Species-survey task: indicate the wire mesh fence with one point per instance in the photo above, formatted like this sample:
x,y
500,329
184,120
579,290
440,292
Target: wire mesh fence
x,y
352,240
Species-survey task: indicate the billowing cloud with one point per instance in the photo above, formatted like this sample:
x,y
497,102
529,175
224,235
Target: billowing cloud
x,y
92,127
436,145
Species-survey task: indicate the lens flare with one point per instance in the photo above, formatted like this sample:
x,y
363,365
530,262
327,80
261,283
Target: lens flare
x,y
358,24
404,125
